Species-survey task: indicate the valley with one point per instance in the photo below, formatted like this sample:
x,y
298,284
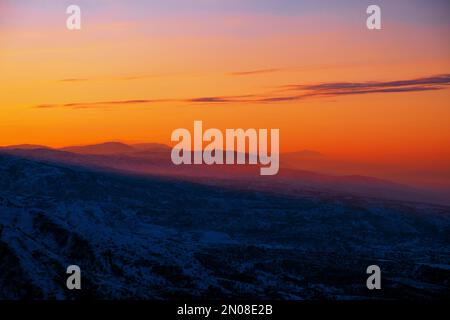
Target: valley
x,y
148,237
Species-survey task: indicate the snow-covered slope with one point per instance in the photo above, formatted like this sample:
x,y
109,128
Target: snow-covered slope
x,y
136,237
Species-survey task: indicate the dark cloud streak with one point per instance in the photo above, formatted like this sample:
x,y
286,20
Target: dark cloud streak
x,y
355,86
254,72
73,80
297,92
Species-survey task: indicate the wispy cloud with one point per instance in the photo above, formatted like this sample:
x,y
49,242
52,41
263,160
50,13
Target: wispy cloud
x,y
120,78
118,102
298,92
73,80
100,104
45,106
287,93
434,82
221,99
254,72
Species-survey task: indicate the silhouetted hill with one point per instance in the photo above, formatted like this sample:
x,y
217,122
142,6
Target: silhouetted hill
x,y
102,148
156,162
152,147
25,147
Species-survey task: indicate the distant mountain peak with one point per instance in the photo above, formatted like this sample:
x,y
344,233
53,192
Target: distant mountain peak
x,y
151,146
25,147
106,148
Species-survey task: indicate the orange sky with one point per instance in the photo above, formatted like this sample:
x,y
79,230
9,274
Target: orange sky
x,y
63,87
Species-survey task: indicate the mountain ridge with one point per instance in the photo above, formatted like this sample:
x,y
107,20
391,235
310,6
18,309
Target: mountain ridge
x,y
158,163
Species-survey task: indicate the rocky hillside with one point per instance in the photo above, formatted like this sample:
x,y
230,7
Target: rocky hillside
x,y
136,237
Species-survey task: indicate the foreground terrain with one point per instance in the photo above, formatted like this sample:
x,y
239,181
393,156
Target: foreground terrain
x,y
161,238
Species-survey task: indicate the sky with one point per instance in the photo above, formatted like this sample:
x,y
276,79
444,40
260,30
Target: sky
x,y
140,69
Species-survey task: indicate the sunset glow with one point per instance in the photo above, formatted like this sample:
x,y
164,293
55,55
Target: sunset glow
x,y
134,73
